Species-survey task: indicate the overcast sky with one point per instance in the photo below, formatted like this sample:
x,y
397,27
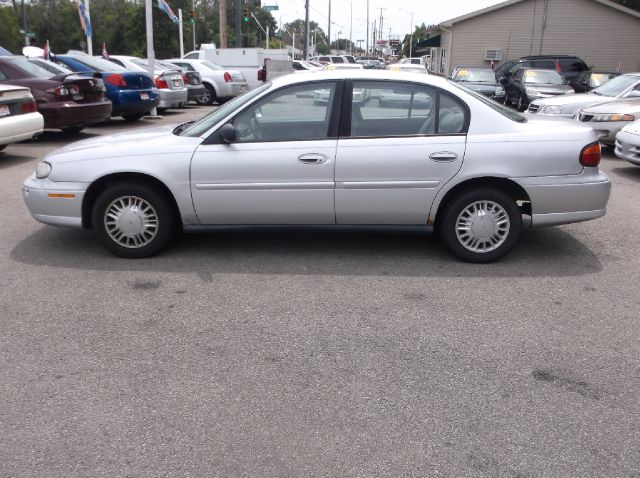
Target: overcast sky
x,y
396,13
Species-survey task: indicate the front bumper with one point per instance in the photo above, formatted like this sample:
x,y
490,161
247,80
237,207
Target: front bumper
x,y
628,147
45,203
172,98
565,199
70,114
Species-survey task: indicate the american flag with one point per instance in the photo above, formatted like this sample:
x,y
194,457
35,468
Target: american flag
x,y
167,9
105,54
46,53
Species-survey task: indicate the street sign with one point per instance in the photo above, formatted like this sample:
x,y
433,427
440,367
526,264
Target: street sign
x,y
29,34
271,8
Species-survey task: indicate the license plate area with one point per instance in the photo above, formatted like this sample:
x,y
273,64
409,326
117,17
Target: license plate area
x,y
4,110
144,96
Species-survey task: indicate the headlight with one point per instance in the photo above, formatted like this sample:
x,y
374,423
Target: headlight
x,y
499,91
553,110
606,117
532,92
43,169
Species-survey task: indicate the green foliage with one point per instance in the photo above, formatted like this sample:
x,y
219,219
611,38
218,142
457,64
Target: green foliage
x,y
420,33
9,31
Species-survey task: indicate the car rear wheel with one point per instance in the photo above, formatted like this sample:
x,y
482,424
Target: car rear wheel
x,y
72,129
481,225
132,118
209,96
133,220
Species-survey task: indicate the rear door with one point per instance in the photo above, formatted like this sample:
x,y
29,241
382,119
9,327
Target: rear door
x,y
398,154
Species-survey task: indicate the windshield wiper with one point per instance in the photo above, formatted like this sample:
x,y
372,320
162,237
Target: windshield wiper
x,y
178,129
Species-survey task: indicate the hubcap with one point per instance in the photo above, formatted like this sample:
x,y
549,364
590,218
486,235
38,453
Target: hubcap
x,y
482,226
206,96
131,222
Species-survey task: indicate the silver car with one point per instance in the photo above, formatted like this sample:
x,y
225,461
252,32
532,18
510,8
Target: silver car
x,y
623,86
607,119
469,168
628,143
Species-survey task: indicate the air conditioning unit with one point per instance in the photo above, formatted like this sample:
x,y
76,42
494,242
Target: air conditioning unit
x,y
493,54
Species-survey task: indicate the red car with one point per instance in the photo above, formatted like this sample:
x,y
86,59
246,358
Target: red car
x,y
67,102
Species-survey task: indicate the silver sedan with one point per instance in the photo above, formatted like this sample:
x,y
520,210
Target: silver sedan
x,y
466,167
607,119
628,143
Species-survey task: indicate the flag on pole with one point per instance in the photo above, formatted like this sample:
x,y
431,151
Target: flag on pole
x,y
558,68
105,54
162,5
84,20
46,53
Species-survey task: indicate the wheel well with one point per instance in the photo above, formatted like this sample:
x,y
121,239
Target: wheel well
x,y
98,186
213,87
513,189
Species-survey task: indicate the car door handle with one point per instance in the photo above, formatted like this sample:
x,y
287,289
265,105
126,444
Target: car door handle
x,y
443,156
312,158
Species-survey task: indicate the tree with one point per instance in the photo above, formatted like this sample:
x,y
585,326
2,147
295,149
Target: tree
x,y
420,33
343,44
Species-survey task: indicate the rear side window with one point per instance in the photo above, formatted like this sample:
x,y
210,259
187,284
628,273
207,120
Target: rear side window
x,y
338,59
192,56
544,64
573,64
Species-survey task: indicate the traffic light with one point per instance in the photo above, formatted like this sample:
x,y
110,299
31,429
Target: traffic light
x,y
245,14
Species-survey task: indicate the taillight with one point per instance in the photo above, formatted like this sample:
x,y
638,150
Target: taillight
x,y
73,89
160,83
227,77
185,79
58,91
590,155
29,107
261,75
116,80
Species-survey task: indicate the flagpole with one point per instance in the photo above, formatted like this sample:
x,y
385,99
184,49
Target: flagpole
x,y
150,52
89,39
180,32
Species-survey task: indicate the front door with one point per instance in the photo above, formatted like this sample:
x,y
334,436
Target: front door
x,y
407,140
280,170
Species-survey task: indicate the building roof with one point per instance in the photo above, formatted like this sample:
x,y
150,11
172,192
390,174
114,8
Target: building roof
x,y
608,3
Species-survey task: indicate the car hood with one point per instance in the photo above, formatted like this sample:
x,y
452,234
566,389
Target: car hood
x,y
620,106
581,98
481,87
633,128
550,88
145,142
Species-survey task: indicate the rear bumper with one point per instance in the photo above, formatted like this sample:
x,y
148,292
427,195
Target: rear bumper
x,y
172,98
565,199
628,147
130,102
20,127
230,90
70,114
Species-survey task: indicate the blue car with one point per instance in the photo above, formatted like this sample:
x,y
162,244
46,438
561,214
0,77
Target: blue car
x,y
132,94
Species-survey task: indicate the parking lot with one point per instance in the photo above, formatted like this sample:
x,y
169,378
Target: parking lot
x,y
315,352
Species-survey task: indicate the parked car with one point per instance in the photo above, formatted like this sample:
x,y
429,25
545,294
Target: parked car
x,y
330,59
68,102
19,117
220,84
301,65
588,80
608,118
408,67
417,60
623,86
343,66
133,94
273,157
481,80
169,82
192,80
568,66
529,84
628,143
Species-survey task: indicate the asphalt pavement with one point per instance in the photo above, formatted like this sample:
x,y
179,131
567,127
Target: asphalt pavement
x,y
317,352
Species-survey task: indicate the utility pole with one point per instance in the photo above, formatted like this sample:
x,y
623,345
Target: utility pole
x,y
351,32
306,31
24,25
367,37
373,42
238,23
180,32
223,23
381,24
89,40
329,28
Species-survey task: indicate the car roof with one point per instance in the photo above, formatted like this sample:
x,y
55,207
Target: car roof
x,y
534,57
362,74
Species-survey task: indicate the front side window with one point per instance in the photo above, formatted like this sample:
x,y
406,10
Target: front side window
x,y
383,108
294,113
617,85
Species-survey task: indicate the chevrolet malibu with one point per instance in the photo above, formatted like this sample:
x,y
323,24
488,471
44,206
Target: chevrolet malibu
x,y
460,165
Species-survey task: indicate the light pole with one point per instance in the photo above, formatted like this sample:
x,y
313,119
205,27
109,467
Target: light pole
x,y
410,32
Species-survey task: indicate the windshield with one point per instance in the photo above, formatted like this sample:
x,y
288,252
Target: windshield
x,y
494,105
481,76
203,125
211,66
99,64
32,68
543,77
616,85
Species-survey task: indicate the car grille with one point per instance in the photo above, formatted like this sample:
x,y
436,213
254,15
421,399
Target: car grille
x,y
585,117
534,108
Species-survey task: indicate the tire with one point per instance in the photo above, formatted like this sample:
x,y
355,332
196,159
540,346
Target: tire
x,y
132,118
137,242
484,237
72,129
161,110
209,96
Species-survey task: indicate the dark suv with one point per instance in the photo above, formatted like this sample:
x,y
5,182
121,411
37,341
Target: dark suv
x,y
568,66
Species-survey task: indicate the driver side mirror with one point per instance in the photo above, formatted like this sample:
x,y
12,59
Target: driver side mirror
x,y
228,133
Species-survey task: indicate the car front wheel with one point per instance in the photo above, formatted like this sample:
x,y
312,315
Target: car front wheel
x,y
481,225
133,220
